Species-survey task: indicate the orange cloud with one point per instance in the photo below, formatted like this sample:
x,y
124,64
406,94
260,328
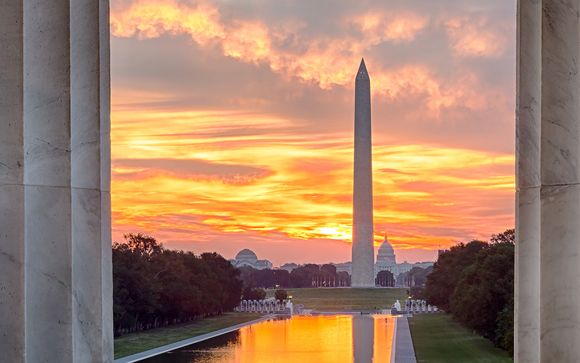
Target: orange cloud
x,y
150,19
327,62
179,171
475,37
378,27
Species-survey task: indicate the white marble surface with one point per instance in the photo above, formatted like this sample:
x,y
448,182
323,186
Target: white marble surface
x,y
529,93
560,264
11,93
527,277
87,277
12,272
11,189
528,181
47,127
85,93
87,239
560,195
48,274
560,93
106,279
363,232
105,177
55,223
46,93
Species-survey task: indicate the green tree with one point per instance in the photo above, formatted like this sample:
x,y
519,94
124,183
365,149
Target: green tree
x,y
385,278
508,236
443,280
475,283
154,286
505,327
485,288
253,294
281,295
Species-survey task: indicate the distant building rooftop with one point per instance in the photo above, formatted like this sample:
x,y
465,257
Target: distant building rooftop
x,y
248,258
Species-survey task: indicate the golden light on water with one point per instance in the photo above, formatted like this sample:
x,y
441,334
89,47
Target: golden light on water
x,y
320,339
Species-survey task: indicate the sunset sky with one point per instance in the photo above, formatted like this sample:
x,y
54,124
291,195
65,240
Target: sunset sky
x,y
232,123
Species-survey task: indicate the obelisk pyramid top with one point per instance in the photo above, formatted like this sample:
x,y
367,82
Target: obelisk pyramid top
x,y
362,73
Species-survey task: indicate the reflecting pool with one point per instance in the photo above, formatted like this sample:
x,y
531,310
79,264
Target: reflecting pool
x,y
302,339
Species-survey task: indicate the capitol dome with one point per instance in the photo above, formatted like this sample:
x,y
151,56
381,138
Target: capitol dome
x,y
246,255
386,254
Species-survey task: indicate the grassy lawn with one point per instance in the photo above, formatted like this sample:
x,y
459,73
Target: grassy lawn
x,y
345,299
437,338
139,342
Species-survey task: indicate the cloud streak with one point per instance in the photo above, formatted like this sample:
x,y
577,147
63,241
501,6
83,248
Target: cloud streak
x,y
309,194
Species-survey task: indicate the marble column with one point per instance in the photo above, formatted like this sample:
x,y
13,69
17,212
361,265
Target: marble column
x,y
11,185
55,238
527,271
47,181
560,191
90,179
105,166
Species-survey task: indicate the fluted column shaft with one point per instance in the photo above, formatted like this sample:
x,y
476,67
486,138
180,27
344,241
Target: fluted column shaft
x,y
54,182
560,192
527,270
11,184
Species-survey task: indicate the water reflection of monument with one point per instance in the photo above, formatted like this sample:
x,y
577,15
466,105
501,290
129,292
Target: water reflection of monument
x,y
363,338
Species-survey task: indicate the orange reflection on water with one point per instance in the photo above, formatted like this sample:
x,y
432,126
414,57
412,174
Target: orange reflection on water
x,y
320,339
384,334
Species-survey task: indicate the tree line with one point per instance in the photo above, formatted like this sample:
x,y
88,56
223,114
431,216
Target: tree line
x,y
475,283
309,275
415,280
154,286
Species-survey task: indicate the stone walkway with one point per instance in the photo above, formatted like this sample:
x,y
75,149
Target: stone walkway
x,y
403,350
184,343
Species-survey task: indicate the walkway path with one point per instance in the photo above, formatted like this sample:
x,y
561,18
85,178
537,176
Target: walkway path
x,y
403,350
183,343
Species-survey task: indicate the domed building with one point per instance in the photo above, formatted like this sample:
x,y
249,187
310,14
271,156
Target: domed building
x,y
248,258
246,255
386,260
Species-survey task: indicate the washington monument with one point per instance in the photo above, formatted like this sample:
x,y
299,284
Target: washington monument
x,y
363,261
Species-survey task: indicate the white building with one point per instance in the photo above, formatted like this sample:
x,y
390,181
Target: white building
x,y
248,258
386,261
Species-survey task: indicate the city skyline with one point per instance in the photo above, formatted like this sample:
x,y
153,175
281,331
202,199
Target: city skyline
x,y
232,124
